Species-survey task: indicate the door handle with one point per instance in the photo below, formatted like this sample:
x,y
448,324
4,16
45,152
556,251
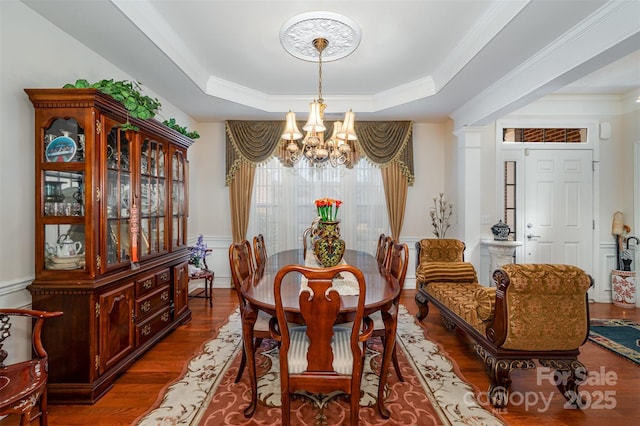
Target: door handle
x,y
530,236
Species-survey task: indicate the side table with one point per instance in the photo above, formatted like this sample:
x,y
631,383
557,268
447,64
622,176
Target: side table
x,y
207,292
500,253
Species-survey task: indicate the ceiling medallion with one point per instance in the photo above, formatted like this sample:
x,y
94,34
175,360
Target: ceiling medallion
x,y
299,32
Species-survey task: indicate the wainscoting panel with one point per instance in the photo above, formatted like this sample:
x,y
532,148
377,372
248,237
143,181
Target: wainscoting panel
x,y
602,285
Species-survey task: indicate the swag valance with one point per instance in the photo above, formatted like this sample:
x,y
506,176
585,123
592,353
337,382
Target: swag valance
x,y
380,142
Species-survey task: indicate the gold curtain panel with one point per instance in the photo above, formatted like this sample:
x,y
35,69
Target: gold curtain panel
x,y
381,142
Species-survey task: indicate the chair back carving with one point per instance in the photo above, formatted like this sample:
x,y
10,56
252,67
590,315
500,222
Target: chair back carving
x,y
260,250
398,261
24,384
241,263
382,252
380,249
306,241
320,357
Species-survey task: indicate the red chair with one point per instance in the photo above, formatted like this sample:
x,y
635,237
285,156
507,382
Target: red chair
x,y
24,384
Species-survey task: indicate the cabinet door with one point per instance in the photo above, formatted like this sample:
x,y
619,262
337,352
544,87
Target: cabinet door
x,y
180,288
62,174
179,173
117,197
153,196
117,332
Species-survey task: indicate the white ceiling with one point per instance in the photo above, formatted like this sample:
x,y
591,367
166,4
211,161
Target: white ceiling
x,y
418,60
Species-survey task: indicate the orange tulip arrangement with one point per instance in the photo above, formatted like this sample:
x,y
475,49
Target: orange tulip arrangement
x,y
326,209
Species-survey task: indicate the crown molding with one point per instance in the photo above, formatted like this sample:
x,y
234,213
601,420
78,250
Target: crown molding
x,y
612,28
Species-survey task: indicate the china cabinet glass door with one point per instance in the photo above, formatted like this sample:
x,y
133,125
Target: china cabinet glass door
x,y
178,198
117,195
62,197
153,189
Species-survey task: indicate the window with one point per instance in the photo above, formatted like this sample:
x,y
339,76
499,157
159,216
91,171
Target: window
x,y
538,135
283,203
510,196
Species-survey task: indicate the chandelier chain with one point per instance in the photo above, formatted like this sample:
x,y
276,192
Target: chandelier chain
x,y
320,44
320,79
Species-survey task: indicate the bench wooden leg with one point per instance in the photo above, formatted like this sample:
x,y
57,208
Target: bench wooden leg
x,y
448,324
499,371
423,304
570,374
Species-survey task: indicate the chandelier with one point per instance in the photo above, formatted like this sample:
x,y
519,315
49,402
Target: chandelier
x,y
315,147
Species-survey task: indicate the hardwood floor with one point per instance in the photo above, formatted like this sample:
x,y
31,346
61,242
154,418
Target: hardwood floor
x,y
137,389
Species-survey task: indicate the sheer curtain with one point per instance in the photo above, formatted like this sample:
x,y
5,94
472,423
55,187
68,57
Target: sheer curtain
x,y
282,203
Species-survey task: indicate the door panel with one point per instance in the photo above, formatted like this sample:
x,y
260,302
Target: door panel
x,y
116,325
559,207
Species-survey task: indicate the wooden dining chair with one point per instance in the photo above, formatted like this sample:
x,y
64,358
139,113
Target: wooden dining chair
x,y
319,356
260,250
306,241
23,385
241,263
382,250
397,264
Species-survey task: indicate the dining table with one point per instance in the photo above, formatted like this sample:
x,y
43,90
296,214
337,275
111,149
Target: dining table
x,y
382,291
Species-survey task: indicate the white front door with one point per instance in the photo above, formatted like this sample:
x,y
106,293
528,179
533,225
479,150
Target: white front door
x,y
559,207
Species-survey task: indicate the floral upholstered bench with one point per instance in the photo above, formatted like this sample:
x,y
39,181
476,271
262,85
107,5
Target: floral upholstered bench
x,y
535,312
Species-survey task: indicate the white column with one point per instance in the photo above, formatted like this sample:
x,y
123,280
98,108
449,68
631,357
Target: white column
x,y
500,253
470,191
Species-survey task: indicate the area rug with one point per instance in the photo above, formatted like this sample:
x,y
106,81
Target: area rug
x,y
620,336
432,394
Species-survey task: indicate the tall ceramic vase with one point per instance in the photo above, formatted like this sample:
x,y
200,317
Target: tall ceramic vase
x,y
328,247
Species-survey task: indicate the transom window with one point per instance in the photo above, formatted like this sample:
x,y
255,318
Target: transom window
x,y
547,135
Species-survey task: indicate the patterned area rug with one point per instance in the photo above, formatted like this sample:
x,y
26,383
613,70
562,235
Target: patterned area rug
x,y
432,393
620,336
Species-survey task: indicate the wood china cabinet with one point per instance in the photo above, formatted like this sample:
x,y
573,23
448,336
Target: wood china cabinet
x,y
110,237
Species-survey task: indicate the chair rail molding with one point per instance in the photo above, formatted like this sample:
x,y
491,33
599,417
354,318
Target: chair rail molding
x,y
14,294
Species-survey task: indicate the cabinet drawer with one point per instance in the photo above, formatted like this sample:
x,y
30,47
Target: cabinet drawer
x,y
149,328
152,302
145,284
163,277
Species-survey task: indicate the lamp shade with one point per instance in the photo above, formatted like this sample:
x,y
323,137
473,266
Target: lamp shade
x,y
337,125
314,123
347,131
291,131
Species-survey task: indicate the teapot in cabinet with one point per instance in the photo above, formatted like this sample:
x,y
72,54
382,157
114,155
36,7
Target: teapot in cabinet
x,y
66,247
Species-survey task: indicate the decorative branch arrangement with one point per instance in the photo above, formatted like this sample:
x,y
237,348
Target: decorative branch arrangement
x,y
440,215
